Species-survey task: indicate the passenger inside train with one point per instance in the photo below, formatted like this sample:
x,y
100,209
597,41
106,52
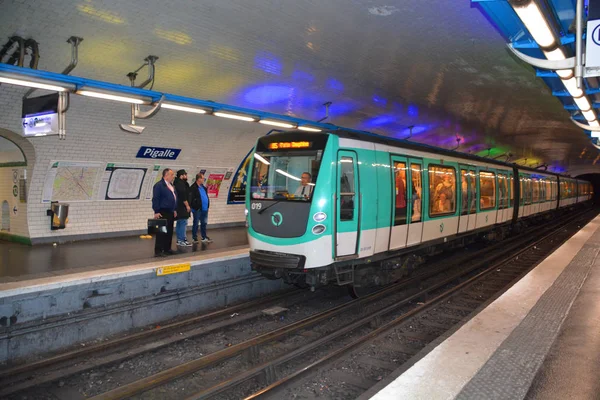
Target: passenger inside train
x,y
442,189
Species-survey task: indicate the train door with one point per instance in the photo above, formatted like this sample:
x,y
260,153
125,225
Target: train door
x,y
415,205
400,176
487,201
521,196
348,205
502,195
467,200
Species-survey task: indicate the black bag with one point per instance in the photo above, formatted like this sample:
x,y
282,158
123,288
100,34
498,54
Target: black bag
x,y
157,226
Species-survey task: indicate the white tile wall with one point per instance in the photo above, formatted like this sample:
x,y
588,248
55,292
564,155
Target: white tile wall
x,y
93,135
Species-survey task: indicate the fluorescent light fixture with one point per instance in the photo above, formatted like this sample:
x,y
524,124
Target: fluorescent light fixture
x,y
589,115
555,55
308,129
261,159
107,96
183,108
596,134
32,84
583,103
288,175
572,88
536,24
564,73
234,116
277,123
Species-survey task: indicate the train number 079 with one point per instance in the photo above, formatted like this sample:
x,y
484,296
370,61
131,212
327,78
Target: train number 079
x,y
256,206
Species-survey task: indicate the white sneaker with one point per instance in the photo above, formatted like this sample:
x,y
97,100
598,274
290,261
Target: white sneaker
x,y
186,243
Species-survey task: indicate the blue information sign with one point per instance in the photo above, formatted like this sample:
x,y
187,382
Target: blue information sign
x,y
158,153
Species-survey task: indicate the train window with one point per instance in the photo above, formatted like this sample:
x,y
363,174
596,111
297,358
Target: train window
x,y
347,191
536,190
417,192
487,190
527,192
548,185
442,190
502,191
467,192
400,193
285,176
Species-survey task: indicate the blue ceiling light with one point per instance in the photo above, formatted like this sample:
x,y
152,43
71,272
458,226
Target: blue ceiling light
x,y
268,62
267,94
413,110
379,100
300,75
335,85
378,121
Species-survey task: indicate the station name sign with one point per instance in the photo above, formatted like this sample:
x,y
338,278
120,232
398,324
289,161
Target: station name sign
x,y
158,153
289,145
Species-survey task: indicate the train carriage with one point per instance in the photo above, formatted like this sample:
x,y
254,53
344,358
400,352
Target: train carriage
x,y
356,209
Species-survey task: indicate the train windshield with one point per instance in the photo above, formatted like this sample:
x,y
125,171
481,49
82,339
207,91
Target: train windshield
x,y
285,175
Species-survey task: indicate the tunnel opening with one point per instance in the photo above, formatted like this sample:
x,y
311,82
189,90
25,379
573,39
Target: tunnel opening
x,y
595,181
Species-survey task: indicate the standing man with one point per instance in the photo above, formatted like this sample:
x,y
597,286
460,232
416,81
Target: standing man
x,y
182,188
164,203
200,203
304,190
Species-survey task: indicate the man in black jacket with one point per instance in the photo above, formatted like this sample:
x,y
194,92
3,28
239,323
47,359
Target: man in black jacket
x,y
164,202
200,203
183,207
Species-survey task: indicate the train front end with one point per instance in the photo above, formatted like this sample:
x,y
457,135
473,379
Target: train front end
x,y
289,207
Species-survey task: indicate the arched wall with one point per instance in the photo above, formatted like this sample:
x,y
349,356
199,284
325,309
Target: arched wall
x,y
19,176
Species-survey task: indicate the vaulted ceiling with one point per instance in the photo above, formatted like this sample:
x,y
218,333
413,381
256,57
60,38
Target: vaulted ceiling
x,y
438,65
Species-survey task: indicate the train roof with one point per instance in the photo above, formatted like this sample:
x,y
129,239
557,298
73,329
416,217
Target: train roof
x,y
376,138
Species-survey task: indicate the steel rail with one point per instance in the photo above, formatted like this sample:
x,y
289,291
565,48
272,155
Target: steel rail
x,y
371,335
165,329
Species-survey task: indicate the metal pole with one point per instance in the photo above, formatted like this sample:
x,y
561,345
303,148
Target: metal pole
x,y
579,45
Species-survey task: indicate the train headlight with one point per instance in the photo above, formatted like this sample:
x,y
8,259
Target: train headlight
x,y
320,217
318,229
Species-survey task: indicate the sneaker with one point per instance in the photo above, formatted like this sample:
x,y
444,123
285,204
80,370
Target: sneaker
x,y
181,243
207,240
196,240
186,243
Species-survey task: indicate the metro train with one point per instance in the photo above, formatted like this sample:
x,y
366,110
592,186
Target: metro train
x,y
356,209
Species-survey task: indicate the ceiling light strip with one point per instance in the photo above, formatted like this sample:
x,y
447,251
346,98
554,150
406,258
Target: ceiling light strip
x,y
238,117
107,96
32,84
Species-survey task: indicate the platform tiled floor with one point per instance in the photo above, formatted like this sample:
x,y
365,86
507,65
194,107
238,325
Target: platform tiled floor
x,y
18,262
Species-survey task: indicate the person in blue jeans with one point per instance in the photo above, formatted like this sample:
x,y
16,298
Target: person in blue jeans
x,y
200,204
183,207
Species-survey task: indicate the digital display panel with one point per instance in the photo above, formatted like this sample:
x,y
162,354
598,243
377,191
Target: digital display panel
x,y
289,145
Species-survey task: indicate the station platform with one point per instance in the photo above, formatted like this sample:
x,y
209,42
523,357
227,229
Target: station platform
x,y
55,297
20,262
538,340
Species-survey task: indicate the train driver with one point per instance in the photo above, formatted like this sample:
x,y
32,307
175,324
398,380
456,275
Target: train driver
x,y
305,189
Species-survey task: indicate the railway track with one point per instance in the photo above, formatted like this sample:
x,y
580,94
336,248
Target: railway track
x,y
269,359
411,329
